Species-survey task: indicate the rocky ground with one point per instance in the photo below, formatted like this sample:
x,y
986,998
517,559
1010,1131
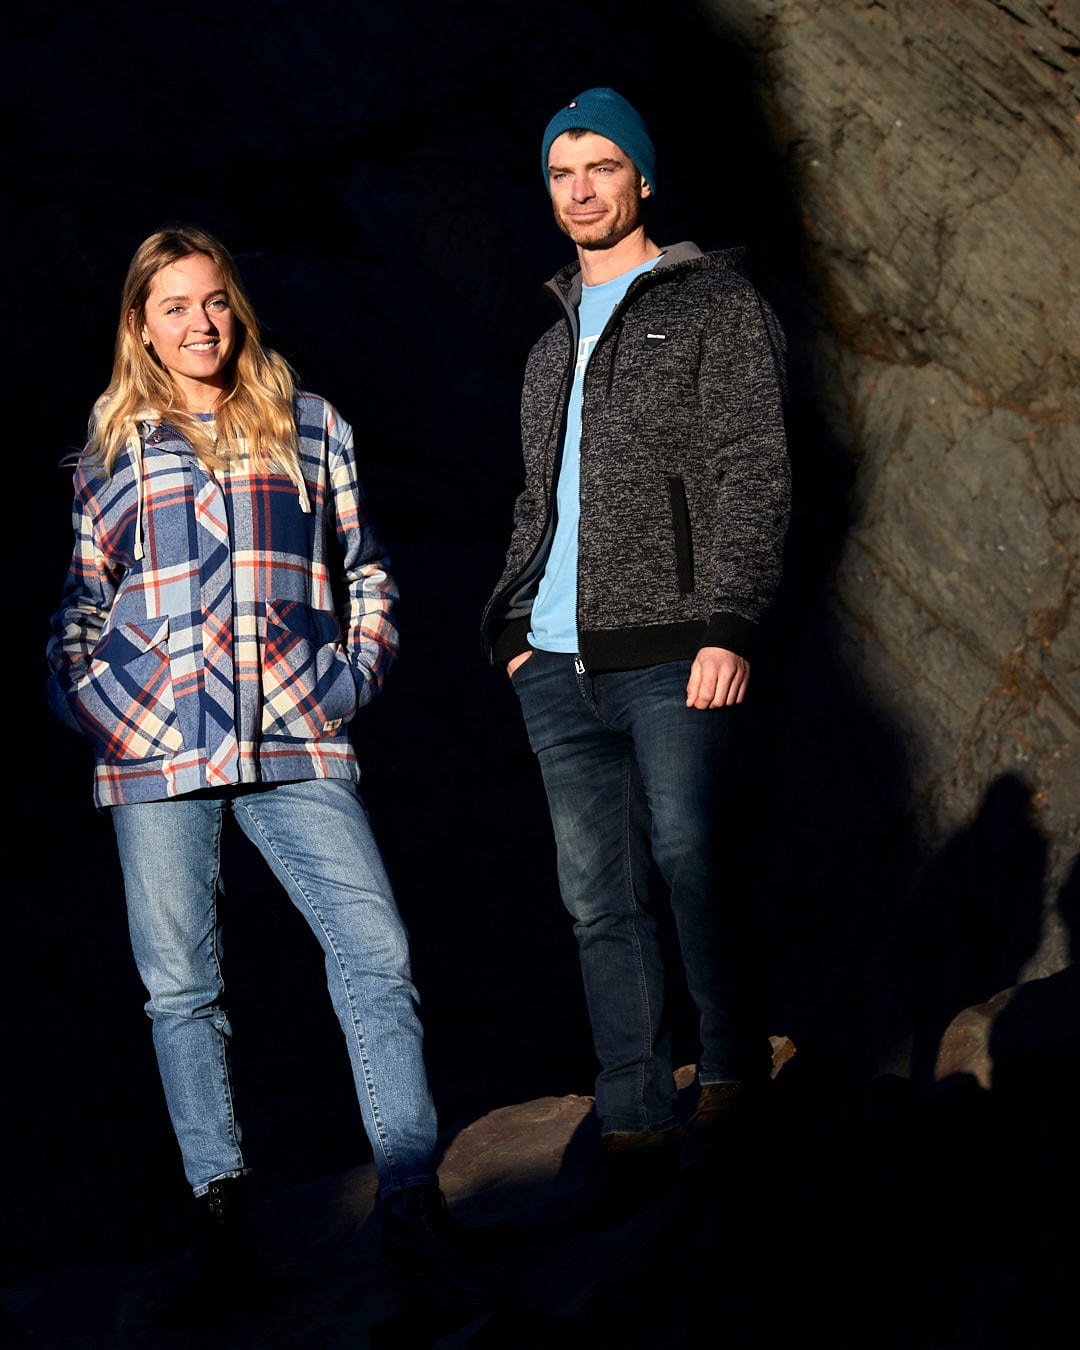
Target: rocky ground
x,y
873,1220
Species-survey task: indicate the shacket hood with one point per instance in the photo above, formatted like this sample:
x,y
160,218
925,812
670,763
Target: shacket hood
x,y
149,425
566,283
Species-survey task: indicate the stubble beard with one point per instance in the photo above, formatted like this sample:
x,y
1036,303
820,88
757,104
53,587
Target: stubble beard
x,y
600,234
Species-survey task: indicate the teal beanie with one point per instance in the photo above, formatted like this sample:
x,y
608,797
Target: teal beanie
x,y
606,113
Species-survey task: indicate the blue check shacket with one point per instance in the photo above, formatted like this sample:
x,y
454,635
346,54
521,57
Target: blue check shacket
x,y
218,629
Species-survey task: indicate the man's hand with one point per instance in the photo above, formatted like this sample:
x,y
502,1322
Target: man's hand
x,y
718,679
518,660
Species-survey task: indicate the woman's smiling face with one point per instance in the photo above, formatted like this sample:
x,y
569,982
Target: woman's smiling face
x,y
189,324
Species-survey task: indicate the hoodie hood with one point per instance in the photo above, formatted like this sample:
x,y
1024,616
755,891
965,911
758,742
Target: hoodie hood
x,y
566,283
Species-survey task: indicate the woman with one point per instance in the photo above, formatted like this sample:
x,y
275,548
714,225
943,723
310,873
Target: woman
x,y
227,610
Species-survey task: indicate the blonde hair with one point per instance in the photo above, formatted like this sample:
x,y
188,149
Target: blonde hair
x,y
253,416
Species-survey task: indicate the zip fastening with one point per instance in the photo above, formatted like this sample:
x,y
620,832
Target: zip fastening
x,y
611,363
613,331
552,476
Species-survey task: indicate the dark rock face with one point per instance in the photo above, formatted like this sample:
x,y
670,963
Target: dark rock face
x,y
906,179
932,153
934,150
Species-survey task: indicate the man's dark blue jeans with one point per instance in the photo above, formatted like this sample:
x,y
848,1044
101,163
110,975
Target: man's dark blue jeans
x,y
632,777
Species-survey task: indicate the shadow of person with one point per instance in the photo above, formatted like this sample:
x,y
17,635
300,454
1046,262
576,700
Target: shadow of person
x,y
1034,1049
976,917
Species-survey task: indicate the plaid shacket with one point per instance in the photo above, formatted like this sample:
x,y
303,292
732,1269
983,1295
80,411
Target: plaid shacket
x,y
217,630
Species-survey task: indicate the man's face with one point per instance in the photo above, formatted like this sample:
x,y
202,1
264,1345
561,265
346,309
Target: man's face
x,y
596,193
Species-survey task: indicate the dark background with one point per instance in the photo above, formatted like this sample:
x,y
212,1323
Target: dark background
x,y
375,170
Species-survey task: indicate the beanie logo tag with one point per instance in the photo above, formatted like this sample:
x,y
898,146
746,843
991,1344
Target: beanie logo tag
x,y
572,104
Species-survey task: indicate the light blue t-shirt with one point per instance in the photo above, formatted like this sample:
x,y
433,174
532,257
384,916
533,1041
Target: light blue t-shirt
x,y
554,614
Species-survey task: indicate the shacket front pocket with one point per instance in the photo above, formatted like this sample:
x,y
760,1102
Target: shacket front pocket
x,y
307,682
126,704
684,541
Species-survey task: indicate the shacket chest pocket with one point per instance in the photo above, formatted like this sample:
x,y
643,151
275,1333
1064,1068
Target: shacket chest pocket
x,y
651,371
307,683
126,703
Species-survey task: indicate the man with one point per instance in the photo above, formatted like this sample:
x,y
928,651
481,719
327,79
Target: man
x,y
646,547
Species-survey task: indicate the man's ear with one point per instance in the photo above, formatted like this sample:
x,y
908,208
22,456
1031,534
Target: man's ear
x,y
646,190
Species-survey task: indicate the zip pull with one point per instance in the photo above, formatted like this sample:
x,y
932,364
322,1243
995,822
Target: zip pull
x,y
579,665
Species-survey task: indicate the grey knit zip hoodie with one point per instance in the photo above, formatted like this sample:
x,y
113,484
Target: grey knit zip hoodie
x,y
685,480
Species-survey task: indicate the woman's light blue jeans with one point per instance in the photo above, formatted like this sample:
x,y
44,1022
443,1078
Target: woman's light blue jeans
x,y
634,779
317,839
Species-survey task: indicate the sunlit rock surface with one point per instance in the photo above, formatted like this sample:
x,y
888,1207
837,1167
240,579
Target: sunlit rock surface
x,y
935,153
